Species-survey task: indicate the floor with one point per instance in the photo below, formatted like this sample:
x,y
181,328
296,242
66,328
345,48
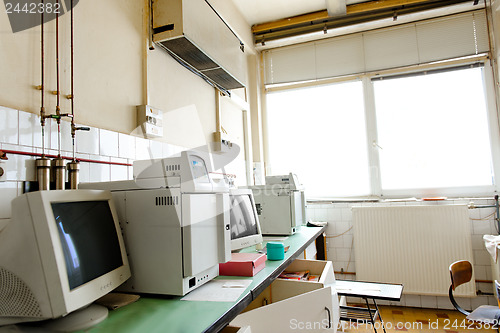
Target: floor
x,y
404,319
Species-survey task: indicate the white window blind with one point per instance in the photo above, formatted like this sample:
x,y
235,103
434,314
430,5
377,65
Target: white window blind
x,y
450,37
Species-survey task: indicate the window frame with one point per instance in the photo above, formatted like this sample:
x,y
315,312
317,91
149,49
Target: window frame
x,y
372,136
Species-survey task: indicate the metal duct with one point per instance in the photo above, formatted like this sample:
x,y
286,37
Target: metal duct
x,y
194,34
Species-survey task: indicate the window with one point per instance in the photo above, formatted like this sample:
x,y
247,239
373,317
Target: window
x,y
433,131
420,134
319,133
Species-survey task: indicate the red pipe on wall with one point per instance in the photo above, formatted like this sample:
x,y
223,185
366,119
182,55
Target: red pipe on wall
x,y
15,152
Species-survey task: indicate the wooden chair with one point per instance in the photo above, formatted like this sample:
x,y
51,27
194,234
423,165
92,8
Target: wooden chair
x,y
461,272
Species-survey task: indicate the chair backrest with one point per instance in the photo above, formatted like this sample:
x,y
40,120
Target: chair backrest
x,y
461,272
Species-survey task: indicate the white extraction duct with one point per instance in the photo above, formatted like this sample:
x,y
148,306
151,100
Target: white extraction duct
x,y
194,34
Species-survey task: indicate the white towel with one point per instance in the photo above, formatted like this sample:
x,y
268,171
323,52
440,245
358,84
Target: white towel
x,y
491,243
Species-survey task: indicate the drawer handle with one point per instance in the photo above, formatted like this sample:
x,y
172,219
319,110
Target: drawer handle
x,y
329,317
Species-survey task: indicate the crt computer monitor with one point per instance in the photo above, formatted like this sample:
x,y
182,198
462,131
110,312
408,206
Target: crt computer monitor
x,y
245,227
60,252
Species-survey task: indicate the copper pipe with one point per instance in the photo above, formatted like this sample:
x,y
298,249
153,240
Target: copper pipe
x,y
42,107
43,164
58,106
73,131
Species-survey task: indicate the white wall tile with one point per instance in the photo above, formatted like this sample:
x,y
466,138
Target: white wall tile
x,y
477,242
481,257
346,214
119,172
475,214
30,130
321,214
478,301
108,143
341,254
84,168
168,150
156,149
66,140
99,172
481,227
19,167
8,191
413,300
342,227
485,287
9,123
142,149
444,303
51,125
130,170
126,146
480,272
429,302
87,142
348,240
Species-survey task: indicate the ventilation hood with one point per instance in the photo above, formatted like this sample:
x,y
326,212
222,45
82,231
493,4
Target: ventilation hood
x,y
194,34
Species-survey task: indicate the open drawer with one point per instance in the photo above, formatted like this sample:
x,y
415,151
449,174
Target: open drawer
x,y
295,306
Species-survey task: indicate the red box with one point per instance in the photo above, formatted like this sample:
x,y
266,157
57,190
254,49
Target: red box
x,y
243,264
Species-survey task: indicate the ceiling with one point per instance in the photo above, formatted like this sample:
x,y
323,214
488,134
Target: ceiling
x,y
261,11
282,22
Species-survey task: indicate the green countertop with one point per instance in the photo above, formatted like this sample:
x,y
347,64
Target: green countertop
x,y
169,314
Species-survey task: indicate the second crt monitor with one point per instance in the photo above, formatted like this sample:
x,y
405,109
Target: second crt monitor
x,y
245,227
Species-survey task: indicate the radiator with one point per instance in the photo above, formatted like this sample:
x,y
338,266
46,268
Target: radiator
x,y
413,245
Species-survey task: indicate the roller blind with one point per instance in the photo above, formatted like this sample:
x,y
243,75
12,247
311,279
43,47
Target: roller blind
x,y
408,44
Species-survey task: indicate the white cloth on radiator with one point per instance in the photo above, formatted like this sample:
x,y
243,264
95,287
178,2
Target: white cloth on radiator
x,y
491,243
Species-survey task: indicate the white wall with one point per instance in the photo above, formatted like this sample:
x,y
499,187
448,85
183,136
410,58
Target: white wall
x,y
114,72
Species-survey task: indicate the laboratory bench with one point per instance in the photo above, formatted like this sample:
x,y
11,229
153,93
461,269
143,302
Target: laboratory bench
x,y
152,313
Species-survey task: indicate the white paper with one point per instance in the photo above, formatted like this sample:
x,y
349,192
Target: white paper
x,y
218,291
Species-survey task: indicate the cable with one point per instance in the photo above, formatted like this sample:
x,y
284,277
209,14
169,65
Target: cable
x,y
340,234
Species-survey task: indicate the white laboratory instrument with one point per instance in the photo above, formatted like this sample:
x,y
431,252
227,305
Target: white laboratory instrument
x,y
175,222
280,204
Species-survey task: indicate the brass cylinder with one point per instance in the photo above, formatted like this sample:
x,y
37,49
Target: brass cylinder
x,y
59,173
73,174
43,173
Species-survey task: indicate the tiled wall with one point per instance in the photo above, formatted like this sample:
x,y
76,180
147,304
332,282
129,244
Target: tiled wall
x,y
21,131
341,247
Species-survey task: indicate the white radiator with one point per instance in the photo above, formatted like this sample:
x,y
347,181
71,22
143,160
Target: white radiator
x,y
413,245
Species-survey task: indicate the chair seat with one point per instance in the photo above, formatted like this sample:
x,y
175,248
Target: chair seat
x,y
489,314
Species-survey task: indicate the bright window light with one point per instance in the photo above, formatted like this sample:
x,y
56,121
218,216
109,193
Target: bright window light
x,y
433,131
319,133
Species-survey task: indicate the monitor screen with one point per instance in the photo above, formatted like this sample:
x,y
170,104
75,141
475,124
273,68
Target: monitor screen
x,y
243,221
88,239
199,169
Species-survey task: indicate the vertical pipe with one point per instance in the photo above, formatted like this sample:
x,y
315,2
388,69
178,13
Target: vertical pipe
x,y
43,164
58,164
58,106
73,166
